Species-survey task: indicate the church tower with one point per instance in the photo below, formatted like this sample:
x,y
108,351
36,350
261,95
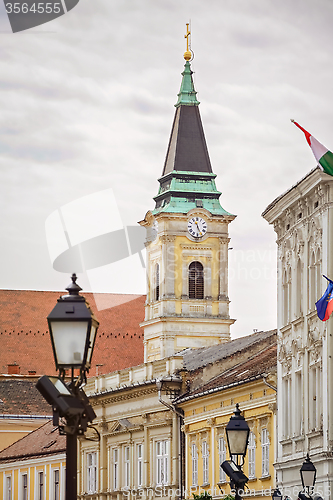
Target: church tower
x,y
187,241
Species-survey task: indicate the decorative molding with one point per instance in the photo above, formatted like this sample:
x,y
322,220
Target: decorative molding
x,y
184,246
167,238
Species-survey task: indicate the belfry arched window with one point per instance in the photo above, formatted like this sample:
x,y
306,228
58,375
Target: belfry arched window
x,y
196,280
157,282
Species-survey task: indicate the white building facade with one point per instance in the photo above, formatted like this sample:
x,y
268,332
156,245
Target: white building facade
x,y
303,221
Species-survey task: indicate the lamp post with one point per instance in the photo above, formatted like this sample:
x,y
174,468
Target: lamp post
x,y
237,431
73,329
308,476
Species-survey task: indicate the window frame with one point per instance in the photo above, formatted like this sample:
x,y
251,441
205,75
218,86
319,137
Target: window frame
x,y
162,461
115,461
196,280
8,486
222,458
24,486
55,484
127,466
91,477
205,462
195,464
252,455
157,282
265,452
40,473
140,462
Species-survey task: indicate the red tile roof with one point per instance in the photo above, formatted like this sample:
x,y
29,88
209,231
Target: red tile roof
x,y
20,397
45,440
25,341
261,363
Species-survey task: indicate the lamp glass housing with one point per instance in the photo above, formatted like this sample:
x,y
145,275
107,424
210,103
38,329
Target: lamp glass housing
x,y
308,474
237,432
69,339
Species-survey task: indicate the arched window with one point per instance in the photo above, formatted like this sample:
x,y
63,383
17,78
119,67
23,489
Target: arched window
x,y
312,282
319,277
289,296
299,284
157,282
285,298
196,281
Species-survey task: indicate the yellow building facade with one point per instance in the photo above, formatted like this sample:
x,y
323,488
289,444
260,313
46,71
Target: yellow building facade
x,y
207,411
34,467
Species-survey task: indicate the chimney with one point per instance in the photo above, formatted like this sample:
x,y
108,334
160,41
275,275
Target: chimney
x,y
13,369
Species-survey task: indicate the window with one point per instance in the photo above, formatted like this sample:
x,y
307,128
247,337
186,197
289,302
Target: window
x,y
157,282
127,467
196,281
115,468
222,458
139,457
8,486
319,278
286,291
24,486
92,472
312,282
194,465
205,462
299,288
315,397
40,485
298,403
286,394
265,452
56,485
162,462
252,455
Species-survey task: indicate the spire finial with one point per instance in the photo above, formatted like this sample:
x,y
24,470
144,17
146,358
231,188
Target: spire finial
x,y
187,54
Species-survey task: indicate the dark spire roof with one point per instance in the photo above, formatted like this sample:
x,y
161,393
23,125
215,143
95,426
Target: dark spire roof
x,y
187,151
187,180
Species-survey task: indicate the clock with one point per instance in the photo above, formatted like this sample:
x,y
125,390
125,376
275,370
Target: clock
x,y
197,227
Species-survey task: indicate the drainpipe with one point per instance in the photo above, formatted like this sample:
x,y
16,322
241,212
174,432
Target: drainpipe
x,y
180,415
264,378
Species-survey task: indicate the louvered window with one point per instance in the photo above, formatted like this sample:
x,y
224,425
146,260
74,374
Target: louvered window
x,y
157,282
196,281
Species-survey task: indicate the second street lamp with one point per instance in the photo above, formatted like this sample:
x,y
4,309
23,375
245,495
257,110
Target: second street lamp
x,y
237,431
308,476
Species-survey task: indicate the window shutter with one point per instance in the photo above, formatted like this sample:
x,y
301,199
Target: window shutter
x,y
196,281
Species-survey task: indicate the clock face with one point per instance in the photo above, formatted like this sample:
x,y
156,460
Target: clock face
x,y
197,227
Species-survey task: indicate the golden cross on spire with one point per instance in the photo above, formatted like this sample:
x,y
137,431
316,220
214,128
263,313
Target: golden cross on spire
x,y
187,54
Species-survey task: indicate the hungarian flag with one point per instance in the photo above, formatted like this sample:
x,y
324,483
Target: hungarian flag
x,y
323,156
325,304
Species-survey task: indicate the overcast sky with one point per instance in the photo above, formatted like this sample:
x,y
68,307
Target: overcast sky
x,y
86,108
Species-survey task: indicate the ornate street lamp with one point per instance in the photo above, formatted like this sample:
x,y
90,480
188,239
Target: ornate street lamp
x,y
237,432
73,329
